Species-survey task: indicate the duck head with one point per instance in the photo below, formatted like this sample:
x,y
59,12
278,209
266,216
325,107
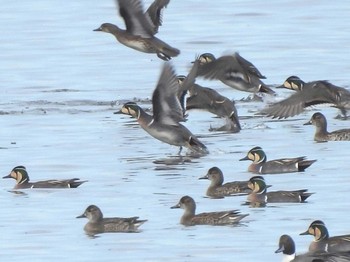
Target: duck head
x,y
93,213
19,173
206,58
256,154
293,83
257,184
317,229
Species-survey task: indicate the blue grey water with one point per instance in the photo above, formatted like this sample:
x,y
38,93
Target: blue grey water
x,y
61,83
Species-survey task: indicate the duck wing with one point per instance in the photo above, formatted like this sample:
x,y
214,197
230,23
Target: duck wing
x,y
167,108
296,103
136,22
154,12
248,66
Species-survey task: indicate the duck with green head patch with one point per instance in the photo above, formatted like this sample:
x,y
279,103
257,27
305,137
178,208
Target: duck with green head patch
x,y
20,174
234,71
259,195
260,164
308,94
141,28
165,125
286,245
323,242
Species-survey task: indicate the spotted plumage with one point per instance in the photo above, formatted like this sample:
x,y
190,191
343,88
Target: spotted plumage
x,y
98,224
322,134
190,218
217,188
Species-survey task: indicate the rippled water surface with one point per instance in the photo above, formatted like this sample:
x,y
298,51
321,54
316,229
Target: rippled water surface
x,y
61,83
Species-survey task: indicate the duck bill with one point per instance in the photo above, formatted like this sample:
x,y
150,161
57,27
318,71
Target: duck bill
x,y
305,233
81,216
280,249
244,158
97,29
308,123
8,176
120,112
176,206
281,86
204,177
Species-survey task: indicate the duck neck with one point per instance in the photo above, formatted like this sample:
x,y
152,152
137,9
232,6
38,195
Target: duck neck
x,y
321,128
217,181
288,258
98,217
143,118
115,30
321,234
22,177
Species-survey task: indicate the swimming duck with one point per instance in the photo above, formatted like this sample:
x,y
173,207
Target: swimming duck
x,y
322,135
190,218
20,174
260,164
141,28
322,240
234,71
208,99
286,245
259,195
308,94
218,190
98,224
167,113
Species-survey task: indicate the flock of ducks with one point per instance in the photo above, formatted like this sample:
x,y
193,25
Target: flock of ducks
x,y
170,106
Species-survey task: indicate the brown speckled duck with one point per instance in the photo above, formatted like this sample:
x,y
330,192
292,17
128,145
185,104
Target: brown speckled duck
x,y
218,189
98,224
221,218
322,135
141,28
